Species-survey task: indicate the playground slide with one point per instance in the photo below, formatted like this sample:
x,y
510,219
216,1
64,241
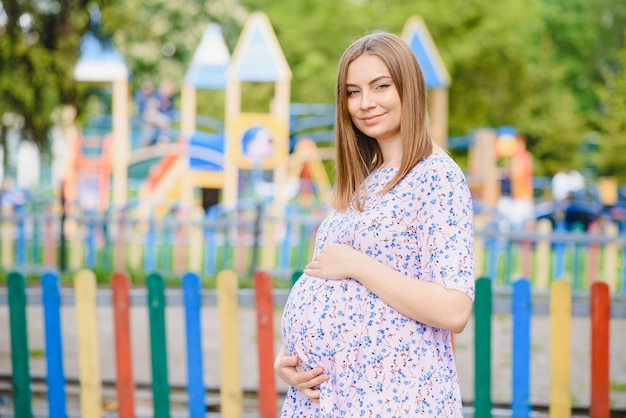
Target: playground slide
x,y
164,184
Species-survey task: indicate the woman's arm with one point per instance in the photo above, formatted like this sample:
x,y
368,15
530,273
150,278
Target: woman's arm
x,y
442,296
306,382
429,303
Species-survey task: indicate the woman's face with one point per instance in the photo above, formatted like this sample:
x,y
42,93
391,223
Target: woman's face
x,y
373,100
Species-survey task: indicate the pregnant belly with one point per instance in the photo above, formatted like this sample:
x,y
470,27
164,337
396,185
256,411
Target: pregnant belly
x,y
326,320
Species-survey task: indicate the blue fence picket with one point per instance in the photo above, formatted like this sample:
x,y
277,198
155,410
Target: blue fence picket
x,y
107,256
227,247
558,248
165,257
36,242
90,244
149,260
491,247
195,381
210,246
55,378
508,262
521,312
623,236
284,254
577,259
20,239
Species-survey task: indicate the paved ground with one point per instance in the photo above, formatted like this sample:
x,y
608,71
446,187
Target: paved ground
x,y
501,364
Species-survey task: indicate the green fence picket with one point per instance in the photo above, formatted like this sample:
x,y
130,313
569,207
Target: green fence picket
x,y
22,404
482,344
158,346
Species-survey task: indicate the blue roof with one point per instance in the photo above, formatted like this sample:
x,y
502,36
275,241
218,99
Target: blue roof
x,y
209,65
257,65
258,56
210,77
99,60
422,45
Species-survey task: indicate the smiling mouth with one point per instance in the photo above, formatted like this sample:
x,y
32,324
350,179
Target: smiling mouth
x,y
371,119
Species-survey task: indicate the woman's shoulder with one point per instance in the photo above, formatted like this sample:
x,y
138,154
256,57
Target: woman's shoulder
x,y
438,163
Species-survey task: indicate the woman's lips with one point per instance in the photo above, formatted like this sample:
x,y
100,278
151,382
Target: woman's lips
x,y
370,120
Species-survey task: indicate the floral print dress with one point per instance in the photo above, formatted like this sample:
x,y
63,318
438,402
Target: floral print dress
x,y
381,363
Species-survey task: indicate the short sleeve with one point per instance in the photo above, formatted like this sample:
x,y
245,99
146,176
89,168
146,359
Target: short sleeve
x,y
445,225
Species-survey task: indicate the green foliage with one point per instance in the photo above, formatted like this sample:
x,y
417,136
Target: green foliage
x,y
587,35
499,55
547,68
38,49
610,122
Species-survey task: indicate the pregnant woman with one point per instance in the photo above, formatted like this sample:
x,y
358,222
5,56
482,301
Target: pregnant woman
x,y
367,329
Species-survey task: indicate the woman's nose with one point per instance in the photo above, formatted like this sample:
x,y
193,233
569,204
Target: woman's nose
x,y
366,100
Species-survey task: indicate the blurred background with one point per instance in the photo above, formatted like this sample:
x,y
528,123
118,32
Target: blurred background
x,y
553,69
535,114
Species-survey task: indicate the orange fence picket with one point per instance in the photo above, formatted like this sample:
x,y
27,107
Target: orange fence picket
x,y
600,355
124,384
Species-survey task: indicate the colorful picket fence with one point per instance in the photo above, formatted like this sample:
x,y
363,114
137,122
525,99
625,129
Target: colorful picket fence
x,y
543,254
230,387
217,240
180,241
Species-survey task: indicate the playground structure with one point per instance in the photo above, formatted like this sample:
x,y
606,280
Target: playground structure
x,y
196,159
110,170
500,174
101,63
215,160
217,163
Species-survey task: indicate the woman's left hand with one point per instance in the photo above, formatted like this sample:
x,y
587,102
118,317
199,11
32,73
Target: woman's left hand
x,y
334,261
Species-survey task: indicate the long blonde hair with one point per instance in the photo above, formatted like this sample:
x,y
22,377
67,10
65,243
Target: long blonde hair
x,y
358,154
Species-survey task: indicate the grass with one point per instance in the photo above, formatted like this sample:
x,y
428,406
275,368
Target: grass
x,y
618,387
36,352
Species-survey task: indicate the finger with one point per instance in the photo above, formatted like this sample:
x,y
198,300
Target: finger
x,y
290,361
304,378
311,384
318,380
312,394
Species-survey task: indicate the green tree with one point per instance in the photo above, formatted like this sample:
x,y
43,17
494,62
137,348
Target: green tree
x,y
528,64
158,39
588,36
610,122
38,48
499,56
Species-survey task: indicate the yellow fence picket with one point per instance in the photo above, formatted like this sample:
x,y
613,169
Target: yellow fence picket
x,y
196,241
231,393
88,353
543,254
6,241
560,349
480,224
268,247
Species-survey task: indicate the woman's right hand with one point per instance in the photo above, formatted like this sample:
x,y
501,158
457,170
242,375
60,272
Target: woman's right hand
x,y
306,382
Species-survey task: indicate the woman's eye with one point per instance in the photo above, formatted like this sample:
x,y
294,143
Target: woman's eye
x,y
352,92
382,86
